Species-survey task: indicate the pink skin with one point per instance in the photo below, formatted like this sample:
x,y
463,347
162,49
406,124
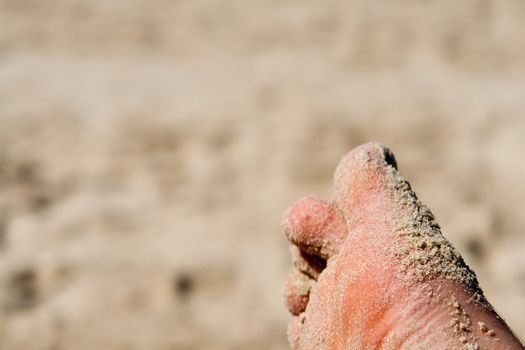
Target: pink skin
x,y
360,300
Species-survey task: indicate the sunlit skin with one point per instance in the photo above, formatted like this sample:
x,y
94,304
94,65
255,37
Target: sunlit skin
x,y
360,299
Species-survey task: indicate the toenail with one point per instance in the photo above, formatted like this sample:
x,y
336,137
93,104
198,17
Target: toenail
x,y
389,157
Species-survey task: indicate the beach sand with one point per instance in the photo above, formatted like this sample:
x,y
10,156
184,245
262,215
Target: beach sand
x,y
149,149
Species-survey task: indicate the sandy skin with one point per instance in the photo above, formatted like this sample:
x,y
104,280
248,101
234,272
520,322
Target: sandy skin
x,y
372,270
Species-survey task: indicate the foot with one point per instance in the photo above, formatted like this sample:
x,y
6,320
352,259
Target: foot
x,y
372,270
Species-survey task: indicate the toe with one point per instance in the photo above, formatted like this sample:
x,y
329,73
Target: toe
x,y
294,331
297,292
315,226
361,177
372,152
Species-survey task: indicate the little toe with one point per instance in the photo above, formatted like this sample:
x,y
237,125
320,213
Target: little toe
x,y
315,226
294,331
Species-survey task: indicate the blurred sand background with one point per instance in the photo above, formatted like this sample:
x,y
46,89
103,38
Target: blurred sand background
x,y
149,148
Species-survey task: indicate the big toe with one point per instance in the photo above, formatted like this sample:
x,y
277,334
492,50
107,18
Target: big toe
x,y
363,177
385,215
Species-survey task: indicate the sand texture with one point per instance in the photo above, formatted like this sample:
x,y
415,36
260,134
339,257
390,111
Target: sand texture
x,y
149,148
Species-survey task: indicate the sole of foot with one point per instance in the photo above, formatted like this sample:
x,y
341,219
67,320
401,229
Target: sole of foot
x,y
373,271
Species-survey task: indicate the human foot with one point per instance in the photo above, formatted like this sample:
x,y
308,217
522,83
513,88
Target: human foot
x,y
372,270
